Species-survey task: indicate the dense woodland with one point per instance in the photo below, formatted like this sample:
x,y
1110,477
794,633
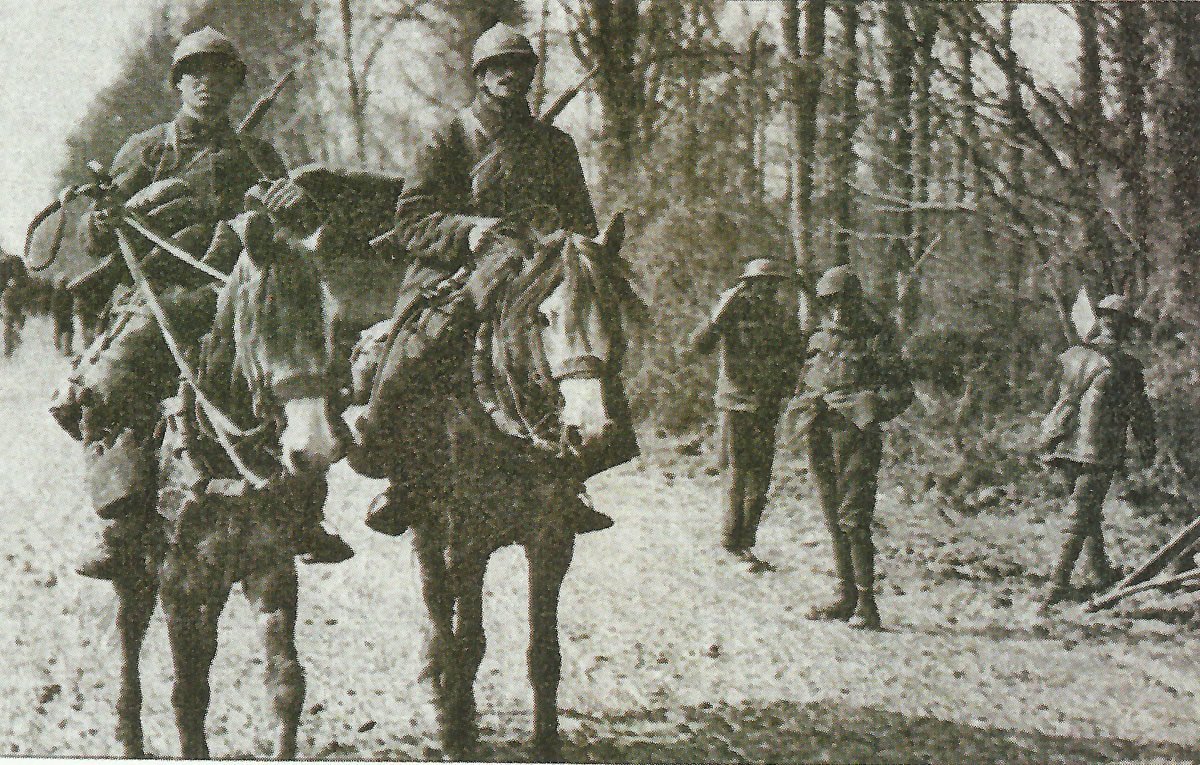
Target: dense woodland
x,y
907,137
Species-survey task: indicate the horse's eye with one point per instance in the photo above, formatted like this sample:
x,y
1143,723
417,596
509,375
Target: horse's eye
x,y
543,320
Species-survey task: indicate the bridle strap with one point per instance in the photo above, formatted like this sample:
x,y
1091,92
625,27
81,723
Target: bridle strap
x,y
581,367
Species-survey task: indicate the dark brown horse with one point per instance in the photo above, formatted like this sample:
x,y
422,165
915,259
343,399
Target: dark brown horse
x,y
498,455
264,365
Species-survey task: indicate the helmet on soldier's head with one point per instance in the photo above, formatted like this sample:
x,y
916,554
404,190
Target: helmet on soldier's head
x,y
838,280
766,268
205,42
501,40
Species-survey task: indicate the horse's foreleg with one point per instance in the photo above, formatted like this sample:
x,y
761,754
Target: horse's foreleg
x,y
275,596
435,589
459,730
548,564
192,610
135,606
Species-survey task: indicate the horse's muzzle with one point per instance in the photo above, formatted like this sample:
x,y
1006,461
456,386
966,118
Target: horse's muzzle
x,y
309,441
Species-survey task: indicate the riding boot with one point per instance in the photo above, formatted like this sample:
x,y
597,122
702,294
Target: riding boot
x,y
391,512
862,553
1105,574
315,544
842,608
121,548
584,517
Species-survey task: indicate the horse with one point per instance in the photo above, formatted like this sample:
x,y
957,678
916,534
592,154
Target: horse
x,y
518,420
264,365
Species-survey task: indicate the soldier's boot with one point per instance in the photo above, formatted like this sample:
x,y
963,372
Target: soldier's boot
x,y
862,554
1060,580
584,517
315,544
389,514
1104,572
842,608
118,553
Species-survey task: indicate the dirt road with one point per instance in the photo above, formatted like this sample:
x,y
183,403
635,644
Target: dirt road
x,y
671,653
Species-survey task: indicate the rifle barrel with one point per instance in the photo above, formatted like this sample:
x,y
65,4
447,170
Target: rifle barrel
x,y
259,110
561,102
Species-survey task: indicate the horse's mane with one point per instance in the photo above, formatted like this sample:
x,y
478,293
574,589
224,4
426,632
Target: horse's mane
x,y
511,374
594,279
273,305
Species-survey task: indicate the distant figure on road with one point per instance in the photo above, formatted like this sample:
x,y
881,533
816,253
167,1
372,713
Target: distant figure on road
x,y
13,296
1102,395
855,380
755,325
62,312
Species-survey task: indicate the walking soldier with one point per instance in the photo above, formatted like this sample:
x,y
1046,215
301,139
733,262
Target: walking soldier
x,y
185,176
1102,396
491,177
756,328
854,382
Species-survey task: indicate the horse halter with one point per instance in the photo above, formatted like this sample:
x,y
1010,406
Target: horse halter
x,y
587,366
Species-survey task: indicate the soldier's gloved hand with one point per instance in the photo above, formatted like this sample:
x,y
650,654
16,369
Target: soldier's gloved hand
x,y
285,200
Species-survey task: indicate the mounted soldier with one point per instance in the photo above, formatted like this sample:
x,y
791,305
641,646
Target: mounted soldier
x,y
756,327
184,177
1102,397
493,180
854,381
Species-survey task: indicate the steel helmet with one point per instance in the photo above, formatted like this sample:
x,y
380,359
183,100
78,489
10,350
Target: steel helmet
x,y
837,280
501,40
205,42
766,267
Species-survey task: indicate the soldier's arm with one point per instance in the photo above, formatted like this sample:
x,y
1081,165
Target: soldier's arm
x,y
578,213
1054,425
705,338
1141,419
431,223
130,174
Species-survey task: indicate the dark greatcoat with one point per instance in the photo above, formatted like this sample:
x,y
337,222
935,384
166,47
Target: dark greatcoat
x,y
128,371
486,164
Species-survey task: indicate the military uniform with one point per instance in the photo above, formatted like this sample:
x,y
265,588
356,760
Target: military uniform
x,y
759,353
854,381
184,176
1102,396
489,172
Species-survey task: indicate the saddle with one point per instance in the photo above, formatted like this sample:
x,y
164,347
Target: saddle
x,y
401,364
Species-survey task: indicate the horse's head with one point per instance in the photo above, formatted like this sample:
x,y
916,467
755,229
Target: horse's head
x,y
277,303
567,317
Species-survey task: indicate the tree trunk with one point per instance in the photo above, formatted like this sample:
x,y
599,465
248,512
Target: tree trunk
x,y
925,33
807,96
844,159
1014,109
967,174
1183,135
358,106
1134,71
898,60
612,42
1089,112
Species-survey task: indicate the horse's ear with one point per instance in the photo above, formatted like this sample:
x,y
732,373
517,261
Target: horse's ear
x,y
613,235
